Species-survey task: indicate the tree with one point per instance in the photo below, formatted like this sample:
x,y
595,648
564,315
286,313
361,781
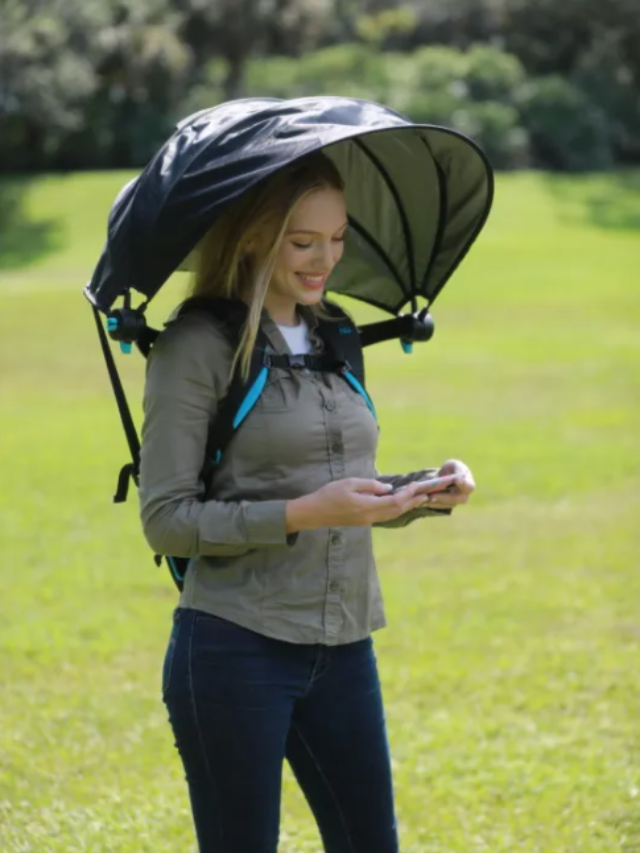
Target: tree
x,y
86,84
235,30
46,75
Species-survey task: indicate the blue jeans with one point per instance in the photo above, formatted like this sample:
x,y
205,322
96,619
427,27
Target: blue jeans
x,y
240,703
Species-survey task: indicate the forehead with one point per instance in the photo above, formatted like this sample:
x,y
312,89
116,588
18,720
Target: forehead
x,y
321,210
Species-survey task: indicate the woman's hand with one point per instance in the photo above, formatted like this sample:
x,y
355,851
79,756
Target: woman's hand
x,y
351,503
460,494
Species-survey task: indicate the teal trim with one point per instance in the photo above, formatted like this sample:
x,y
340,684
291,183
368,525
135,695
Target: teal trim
x,y
407,346
218,457
174,569
351,379
252,397
125,346
112,324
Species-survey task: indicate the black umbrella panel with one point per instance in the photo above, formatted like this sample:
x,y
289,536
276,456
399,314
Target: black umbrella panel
x,y
417,195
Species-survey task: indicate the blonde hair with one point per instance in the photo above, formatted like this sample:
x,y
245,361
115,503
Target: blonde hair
x,y
237,256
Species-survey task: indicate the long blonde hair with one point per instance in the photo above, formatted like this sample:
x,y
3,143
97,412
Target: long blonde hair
x,y
237,256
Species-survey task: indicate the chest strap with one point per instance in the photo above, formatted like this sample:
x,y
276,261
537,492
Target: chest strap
x,y
323,362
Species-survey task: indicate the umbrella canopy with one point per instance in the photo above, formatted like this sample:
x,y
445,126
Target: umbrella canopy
x,y
417,195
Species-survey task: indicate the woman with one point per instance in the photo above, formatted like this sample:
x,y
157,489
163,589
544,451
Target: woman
x,y
270,655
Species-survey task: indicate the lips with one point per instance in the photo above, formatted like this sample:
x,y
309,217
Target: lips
x,y
315,282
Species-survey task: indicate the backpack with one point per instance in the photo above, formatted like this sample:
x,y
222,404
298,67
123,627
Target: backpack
x,y
342,355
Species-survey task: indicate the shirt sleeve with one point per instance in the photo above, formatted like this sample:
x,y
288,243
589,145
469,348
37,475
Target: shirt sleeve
x,y
181,396
397,480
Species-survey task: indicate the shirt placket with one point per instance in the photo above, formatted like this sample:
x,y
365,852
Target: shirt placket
x,y
334,608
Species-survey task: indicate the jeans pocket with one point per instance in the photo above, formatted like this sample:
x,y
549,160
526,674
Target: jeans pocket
x,y
170,653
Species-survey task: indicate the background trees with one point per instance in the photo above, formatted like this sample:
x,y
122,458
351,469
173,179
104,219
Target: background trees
x,y
537,82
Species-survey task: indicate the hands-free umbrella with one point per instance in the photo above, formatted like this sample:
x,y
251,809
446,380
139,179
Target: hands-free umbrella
x,y
417,195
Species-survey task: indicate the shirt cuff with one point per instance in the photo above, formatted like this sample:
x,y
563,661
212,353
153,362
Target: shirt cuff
x,y
265,524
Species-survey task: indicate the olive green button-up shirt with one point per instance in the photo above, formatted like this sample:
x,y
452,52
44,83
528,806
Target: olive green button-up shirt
x,y
307,429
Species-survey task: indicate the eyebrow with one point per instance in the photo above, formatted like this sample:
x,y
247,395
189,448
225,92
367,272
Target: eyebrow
x,y
309,231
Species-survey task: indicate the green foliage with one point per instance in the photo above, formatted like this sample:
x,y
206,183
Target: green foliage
x,y
510,662
376,27
44,85
87,83
476,92
493,75
611,85
568,129
102,82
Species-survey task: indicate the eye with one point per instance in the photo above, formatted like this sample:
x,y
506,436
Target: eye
x,y
301,245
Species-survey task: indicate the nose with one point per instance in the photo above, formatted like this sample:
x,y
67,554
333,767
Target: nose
x,y
324,260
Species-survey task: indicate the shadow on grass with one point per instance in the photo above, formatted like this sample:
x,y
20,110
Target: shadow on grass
x,y
607,200
24,237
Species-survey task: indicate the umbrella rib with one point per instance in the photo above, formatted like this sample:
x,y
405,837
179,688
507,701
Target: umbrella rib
x,y
480,224
444,203
401,213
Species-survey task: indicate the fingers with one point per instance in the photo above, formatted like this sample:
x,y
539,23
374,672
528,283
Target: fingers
x,y
446,500
369,487
387,507
465,480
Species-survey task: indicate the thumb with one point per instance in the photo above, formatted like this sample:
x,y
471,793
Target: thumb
x,y
372,487
453,466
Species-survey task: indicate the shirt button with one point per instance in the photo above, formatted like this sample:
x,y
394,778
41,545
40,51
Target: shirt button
x,y
336,539
334,586
330,405
336,447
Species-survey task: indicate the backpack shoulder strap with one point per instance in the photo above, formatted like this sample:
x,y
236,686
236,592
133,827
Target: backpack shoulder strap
x,y
242,394
342,338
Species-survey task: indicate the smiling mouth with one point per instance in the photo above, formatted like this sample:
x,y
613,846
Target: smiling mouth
x,y
312,280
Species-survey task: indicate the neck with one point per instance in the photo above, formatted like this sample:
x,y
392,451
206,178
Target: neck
x,y
281,310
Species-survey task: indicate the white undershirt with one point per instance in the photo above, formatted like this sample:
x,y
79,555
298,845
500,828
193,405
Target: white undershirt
x,y
297,338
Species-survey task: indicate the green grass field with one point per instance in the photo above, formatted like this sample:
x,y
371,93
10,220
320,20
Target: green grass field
x,y
511,665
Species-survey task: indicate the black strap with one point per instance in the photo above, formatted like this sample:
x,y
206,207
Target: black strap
x,y
146,339
325,362
131,469
341,338
221,429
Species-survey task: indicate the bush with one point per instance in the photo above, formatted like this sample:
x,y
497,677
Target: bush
x,y
497,130
493,75
474,92
483,92
567,130
609,82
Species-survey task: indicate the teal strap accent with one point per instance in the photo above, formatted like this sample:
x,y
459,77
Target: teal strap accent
x,y
112,324
125,346
174,569
252,397
351,379
407,346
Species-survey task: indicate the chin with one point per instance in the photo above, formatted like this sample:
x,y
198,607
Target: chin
x,y
311,297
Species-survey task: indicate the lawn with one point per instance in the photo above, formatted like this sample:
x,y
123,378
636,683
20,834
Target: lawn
x,y
510,664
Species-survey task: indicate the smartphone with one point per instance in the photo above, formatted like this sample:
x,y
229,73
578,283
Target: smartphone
x,y
435,484
438,484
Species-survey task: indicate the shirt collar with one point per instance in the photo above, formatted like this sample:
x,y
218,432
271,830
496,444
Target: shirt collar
x,y
275,338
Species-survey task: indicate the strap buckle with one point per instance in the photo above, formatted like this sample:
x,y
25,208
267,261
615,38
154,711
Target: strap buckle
x,y
297,362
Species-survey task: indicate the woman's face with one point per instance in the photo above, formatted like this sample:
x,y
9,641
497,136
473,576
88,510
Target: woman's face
x,y
312,246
